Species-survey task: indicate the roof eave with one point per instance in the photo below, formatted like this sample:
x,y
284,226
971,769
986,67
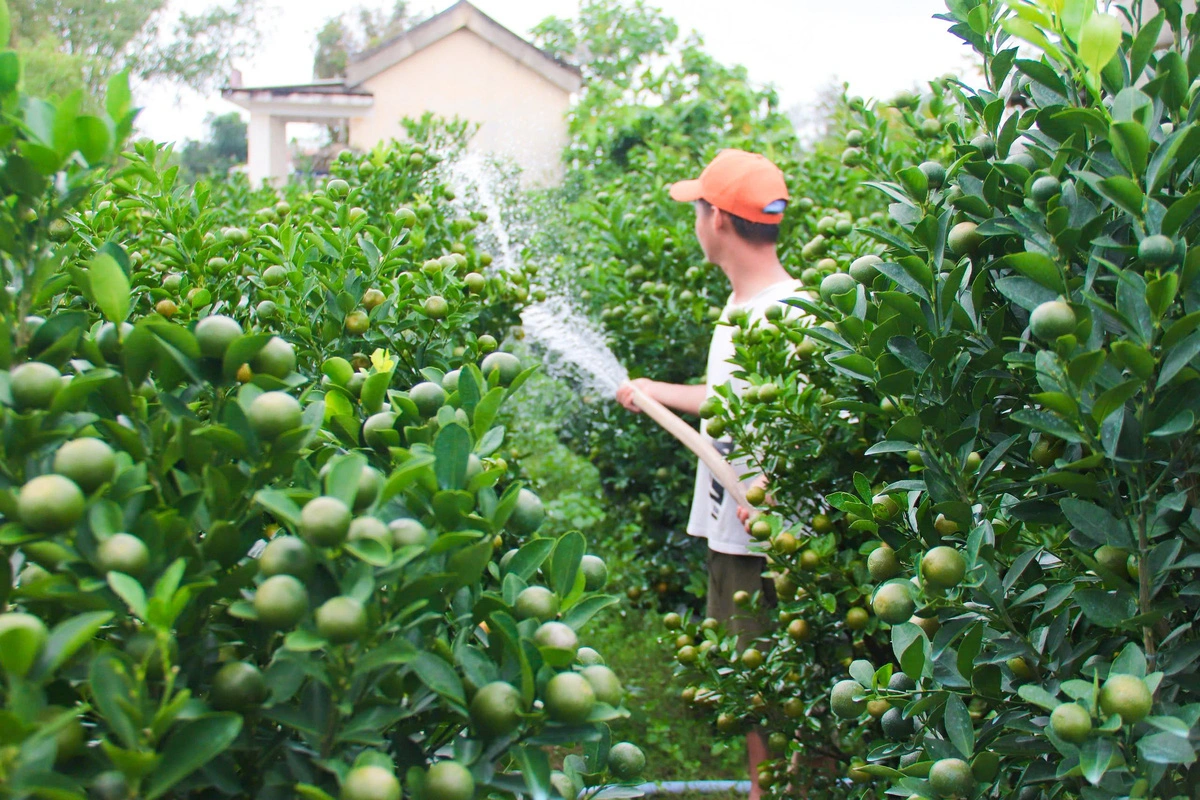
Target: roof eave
x,y
462,14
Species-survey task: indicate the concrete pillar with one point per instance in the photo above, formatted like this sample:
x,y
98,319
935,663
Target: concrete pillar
x,y
279,152
268,152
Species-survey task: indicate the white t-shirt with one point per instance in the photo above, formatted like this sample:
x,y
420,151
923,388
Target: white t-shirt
x,y
714,513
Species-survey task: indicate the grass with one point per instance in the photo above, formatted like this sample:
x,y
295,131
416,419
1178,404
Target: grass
x,y
679,745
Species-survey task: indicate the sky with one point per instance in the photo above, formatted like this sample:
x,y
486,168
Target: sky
x,y
879,46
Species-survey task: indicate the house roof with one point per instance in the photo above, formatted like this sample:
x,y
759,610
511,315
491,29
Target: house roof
x,y
330,86
461,15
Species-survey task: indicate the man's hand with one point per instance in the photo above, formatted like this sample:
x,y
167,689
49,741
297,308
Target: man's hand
x,y
746,515
625,392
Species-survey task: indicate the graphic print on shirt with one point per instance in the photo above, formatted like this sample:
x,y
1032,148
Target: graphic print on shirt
x,y
716,492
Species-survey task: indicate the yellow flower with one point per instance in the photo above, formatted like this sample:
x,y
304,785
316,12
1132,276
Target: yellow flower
x,y
381,360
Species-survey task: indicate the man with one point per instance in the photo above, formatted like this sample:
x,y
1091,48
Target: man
x,y
739,200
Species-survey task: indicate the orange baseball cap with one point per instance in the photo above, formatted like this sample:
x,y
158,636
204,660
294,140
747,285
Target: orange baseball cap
x,y
744,184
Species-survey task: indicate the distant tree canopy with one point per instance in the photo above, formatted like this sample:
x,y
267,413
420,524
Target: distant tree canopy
x,y
355,31
80,44
225,147
648,90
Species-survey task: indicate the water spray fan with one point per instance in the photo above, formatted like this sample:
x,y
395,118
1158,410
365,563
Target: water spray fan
x,y
690,438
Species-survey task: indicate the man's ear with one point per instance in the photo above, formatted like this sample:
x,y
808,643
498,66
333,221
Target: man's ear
x,y
720,220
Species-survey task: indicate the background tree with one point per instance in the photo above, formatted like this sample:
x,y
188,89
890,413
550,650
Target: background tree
x,y
86,42
339,39
353,32
225,146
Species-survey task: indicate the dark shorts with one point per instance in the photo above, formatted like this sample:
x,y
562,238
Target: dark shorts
x,y
728,574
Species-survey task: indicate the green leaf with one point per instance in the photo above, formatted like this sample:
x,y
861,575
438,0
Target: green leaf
x,y
63,127
1026,293
109,287
1178,357
68,636
1166,748
1038,696
1134,357
1172,725
439,676
915,181
1084,366
1171,81
5,24
1099,39
1096,523
451,506
958,726
375,553
452,448
374,389
342,479
1131,146
112,689
1143,45
1177,425
968,651
1161,292
189,747
1094,758
1106,609
852,364
304,641
10,71
1179,212
582,612
1131,661
242,350
1047,422
1027,31
564,563
310,792
406,475
1125,193
92,138
911,648
1038,267
1115,398
129,590
535,769
468,564
19,650
397,651
118,98
530,557
1073,13
1057,401
280,505
1043,74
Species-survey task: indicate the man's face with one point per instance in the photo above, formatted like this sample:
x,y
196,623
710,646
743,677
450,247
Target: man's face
x,y
704,230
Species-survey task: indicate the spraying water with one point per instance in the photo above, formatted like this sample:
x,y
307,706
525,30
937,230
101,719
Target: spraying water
x,y
571,346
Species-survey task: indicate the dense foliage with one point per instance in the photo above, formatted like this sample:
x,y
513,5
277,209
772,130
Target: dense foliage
x,y
252,492
78,45
1000,597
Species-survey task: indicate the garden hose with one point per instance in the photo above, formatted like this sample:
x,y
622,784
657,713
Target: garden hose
x,y
722,470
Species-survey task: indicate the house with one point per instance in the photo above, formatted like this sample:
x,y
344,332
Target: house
x,y
457,63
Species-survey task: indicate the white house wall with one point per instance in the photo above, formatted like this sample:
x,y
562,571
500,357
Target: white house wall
x,y
521,114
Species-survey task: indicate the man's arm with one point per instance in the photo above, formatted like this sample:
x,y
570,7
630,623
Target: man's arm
x,y
685,398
